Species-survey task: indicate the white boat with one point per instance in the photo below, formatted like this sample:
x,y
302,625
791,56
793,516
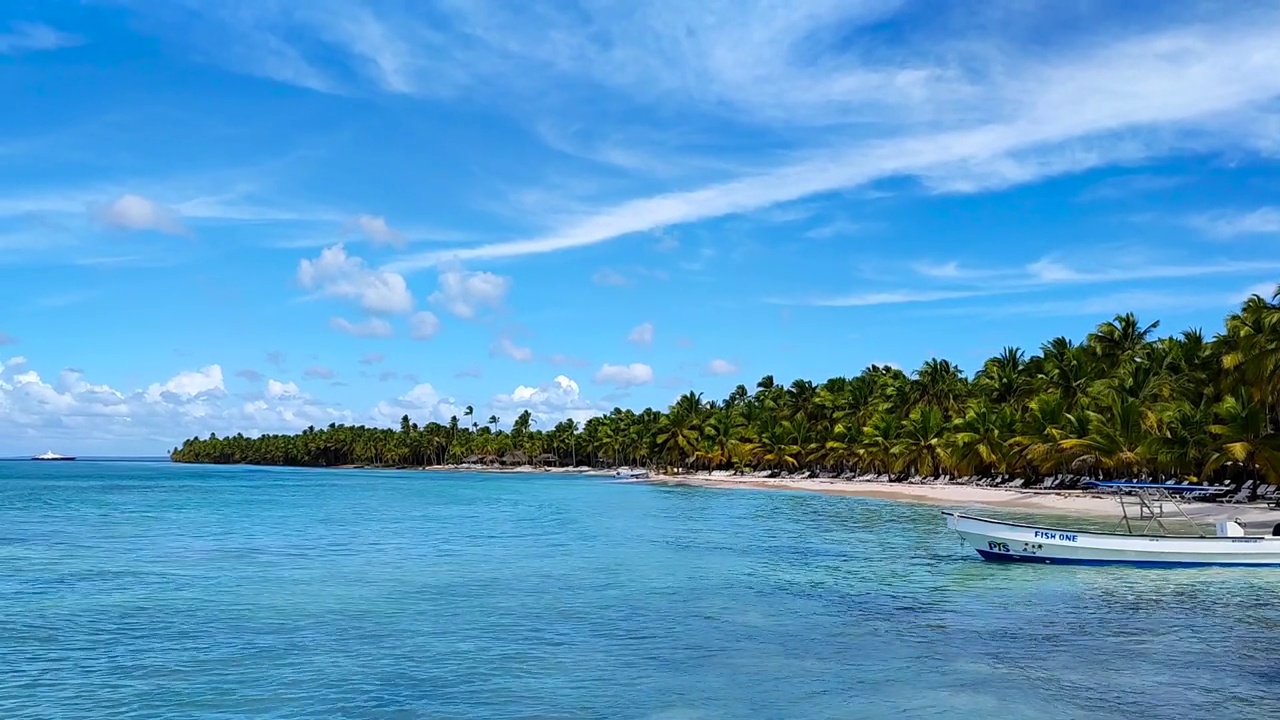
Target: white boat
x,y
1004,541
51,455
631,473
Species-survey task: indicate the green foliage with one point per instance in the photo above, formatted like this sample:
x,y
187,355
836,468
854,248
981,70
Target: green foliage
x,y
1121,404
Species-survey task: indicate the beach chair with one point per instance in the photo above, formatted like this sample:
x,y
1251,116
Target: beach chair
x,y
1242,496
1268,493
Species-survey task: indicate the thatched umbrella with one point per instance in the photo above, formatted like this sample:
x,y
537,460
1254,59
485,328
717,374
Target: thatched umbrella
x,y
545,458
489,459
515,457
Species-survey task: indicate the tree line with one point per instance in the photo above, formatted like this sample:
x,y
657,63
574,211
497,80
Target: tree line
x,y
1123,403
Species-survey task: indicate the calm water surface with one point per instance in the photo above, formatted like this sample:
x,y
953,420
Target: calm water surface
x,y
145,590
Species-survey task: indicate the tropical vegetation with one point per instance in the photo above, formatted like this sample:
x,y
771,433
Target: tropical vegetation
x,y
1123,403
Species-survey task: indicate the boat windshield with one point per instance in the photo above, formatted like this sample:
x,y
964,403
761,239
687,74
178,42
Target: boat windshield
x,y
1149,499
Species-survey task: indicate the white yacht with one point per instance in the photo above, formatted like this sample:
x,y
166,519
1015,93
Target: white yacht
x,y
51,455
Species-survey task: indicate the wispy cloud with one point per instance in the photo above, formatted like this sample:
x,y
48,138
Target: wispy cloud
x,y
891,297
609,277
25,37
373,327
506,347
1051,270
1008,119
641,334
1139,301
835,228
1229,224
1129,185
969,282
65,299
182,197
1266,290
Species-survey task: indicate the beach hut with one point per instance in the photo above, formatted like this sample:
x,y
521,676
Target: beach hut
x,y
547,459
489,460
515,457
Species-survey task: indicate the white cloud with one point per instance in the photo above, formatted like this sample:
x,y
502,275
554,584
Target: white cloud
x,y
1226,224
74,415
721,367
624,376
463,292
548,403
277,389
189,384
77,414
33,37
423,325
641,334
995,114
507,347
134,212
423,403
376,229
336,274
373,327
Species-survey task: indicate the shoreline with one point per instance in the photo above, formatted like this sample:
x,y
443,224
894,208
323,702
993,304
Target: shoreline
x,y
1067,501
1064,502
957,496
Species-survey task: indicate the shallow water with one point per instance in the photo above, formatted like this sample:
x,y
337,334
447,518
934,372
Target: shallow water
x,y
147,590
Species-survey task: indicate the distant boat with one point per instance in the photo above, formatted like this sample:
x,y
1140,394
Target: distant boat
x,y
631,473
51,455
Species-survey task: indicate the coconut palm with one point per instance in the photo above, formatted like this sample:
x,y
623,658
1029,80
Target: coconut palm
x,y
1122,403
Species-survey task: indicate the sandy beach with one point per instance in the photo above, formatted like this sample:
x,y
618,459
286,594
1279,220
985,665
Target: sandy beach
x,y
1067,502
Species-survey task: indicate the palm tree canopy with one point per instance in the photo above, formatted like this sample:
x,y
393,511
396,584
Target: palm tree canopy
x,y
1123,403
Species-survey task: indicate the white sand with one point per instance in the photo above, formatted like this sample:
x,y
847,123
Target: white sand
x,y
1069,502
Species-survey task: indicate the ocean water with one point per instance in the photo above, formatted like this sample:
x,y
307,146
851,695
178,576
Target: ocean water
x,y
148,590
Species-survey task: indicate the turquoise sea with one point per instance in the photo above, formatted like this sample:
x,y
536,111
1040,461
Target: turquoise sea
x,y
149,590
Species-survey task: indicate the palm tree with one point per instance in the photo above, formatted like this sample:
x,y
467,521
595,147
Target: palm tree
x,y
1123,403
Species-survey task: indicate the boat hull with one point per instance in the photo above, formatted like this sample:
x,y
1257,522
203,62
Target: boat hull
x,y
1000,541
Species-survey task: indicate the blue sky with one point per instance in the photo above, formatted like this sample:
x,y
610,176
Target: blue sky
x,y
253,216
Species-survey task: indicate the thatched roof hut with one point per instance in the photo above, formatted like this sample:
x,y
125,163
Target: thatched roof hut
x,y
489,459
547,458
515,457
471,459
